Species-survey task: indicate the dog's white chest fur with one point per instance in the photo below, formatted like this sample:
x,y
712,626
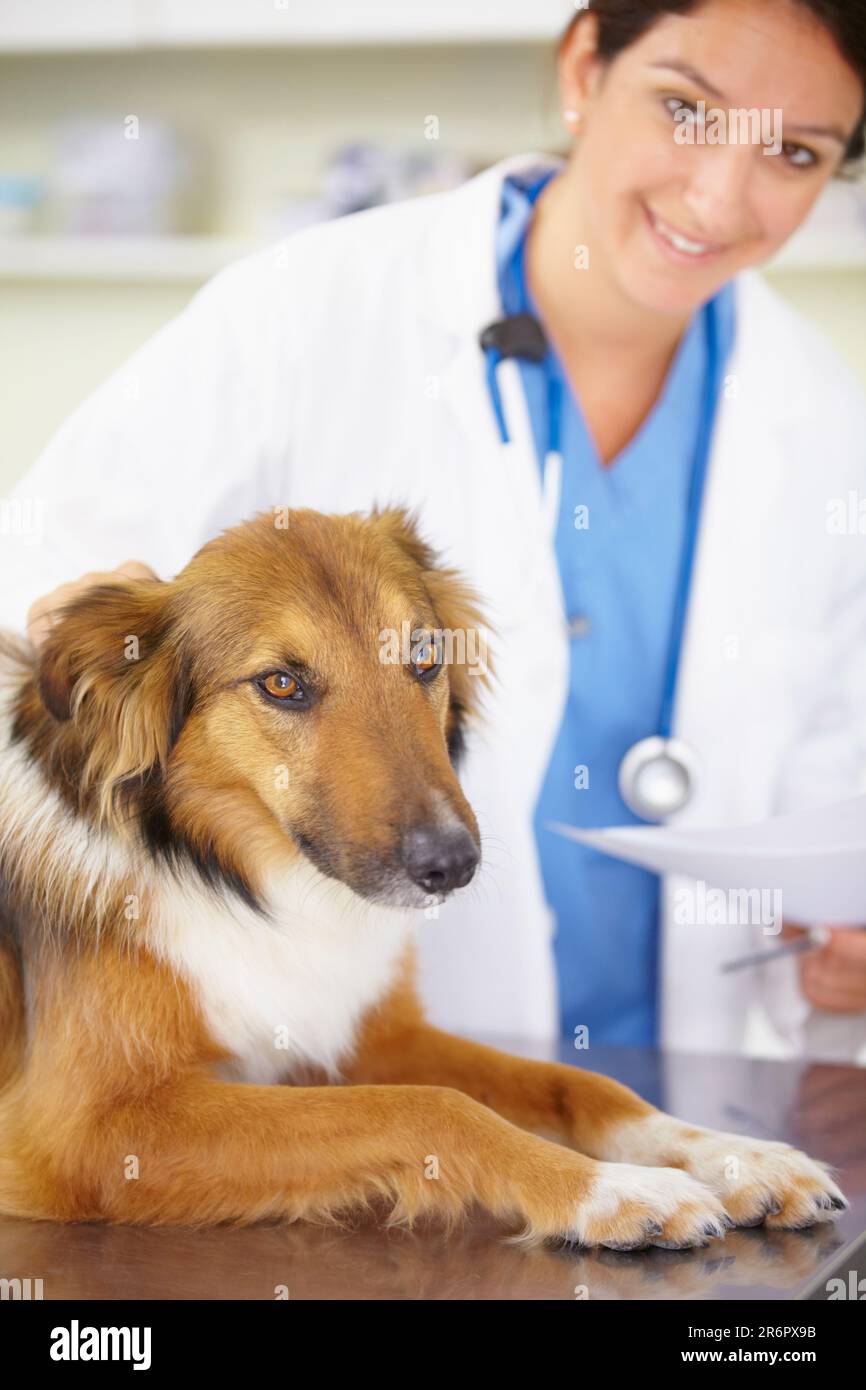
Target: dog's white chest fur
x,y
282,995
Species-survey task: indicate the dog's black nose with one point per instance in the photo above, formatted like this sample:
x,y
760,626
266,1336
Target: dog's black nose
x,y
439,860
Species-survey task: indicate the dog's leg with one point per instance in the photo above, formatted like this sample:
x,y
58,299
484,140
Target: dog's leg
x,y
207,1151
755,1179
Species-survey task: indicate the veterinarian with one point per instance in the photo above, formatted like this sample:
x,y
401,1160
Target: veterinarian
x,y
633,447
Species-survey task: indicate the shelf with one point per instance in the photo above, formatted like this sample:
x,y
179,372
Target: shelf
x,y
191,259
55,26
833,239
169,259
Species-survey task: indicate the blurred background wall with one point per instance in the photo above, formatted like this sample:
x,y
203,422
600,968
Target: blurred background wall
x,y
144,143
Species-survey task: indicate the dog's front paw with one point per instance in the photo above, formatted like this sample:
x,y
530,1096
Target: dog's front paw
x,y
762,1181
757,1180
628,1207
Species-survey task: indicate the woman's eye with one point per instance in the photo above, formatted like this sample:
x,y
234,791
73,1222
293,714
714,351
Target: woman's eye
x,y
282,685
800,156
681,110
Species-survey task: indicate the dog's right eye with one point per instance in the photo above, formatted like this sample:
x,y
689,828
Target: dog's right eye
x,y
283,687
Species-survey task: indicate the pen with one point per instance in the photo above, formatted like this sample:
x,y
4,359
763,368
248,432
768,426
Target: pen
x,y
818,936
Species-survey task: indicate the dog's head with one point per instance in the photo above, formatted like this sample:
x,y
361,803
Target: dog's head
x,y
301,688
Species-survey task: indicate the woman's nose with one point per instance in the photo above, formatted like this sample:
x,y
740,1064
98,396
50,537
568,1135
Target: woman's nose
x,y
439,860
718,195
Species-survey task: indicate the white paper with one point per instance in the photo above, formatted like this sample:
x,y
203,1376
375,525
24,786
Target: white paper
x,y
816,858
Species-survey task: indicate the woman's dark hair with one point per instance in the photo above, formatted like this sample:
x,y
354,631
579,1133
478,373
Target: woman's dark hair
x,y
623,22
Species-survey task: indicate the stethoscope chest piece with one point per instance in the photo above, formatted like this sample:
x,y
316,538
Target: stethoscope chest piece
x,y
658,776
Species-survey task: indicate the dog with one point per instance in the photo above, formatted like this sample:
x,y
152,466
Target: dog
x,y
221,812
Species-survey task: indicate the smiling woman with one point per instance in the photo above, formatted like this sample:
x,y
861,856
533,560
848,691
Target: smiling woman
x,y
651,203
627,256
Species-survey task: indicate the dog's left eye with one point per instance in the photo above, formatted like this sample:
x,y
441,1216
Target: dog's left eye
x,y
283,687
426,659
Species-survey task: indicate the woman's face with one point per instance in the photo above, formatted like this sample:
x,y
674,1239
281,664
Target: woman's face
x,y
642,174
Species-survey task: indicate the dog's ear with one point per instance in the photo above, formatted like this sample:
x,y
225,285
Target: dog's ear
x,y
460,617
114,666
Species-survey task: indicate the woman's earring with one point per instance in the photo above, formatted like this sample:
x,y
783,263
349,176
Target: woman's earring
x,y
571,118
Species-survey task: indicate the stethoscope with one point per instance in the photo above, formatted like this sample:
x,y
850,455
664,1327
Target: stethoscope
x,y
659,775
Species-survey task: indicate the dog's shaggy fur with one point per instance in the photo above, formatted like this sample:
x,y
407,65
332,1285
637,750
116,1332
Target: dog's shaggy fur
x,y
218,809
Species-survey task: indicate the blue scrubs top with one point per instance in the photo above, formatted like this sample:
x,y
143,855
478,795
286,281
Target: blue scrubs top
x,y
619,544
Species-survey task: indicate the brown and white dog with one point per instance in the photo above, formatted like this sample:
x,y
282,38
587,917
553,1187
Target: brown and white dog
x,y
217,803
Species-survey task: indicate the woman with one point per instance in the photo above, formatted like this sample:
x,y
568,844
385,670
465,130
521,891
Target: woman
x,y
345,367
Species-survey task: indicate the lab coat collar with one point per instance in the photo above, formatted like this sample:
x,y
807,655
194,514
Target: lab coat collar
x,y
460,294
767,391
461,291
459,297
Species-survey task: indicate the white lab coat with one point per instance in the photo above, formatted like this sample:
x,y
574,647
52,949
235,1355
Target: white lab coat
x,y
342,368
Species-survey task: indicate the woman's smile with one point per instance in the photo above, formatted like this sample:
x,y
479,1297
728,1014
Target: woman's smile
x,y
678,247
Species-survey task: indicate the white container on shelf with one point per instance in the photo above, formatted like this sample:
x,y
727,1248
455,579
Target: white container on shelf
x,y
116,177
20,195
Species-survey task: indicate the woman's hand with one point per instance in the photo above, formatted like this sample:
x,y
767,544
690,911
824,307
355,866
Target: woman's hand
x,y
43,614
833,976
